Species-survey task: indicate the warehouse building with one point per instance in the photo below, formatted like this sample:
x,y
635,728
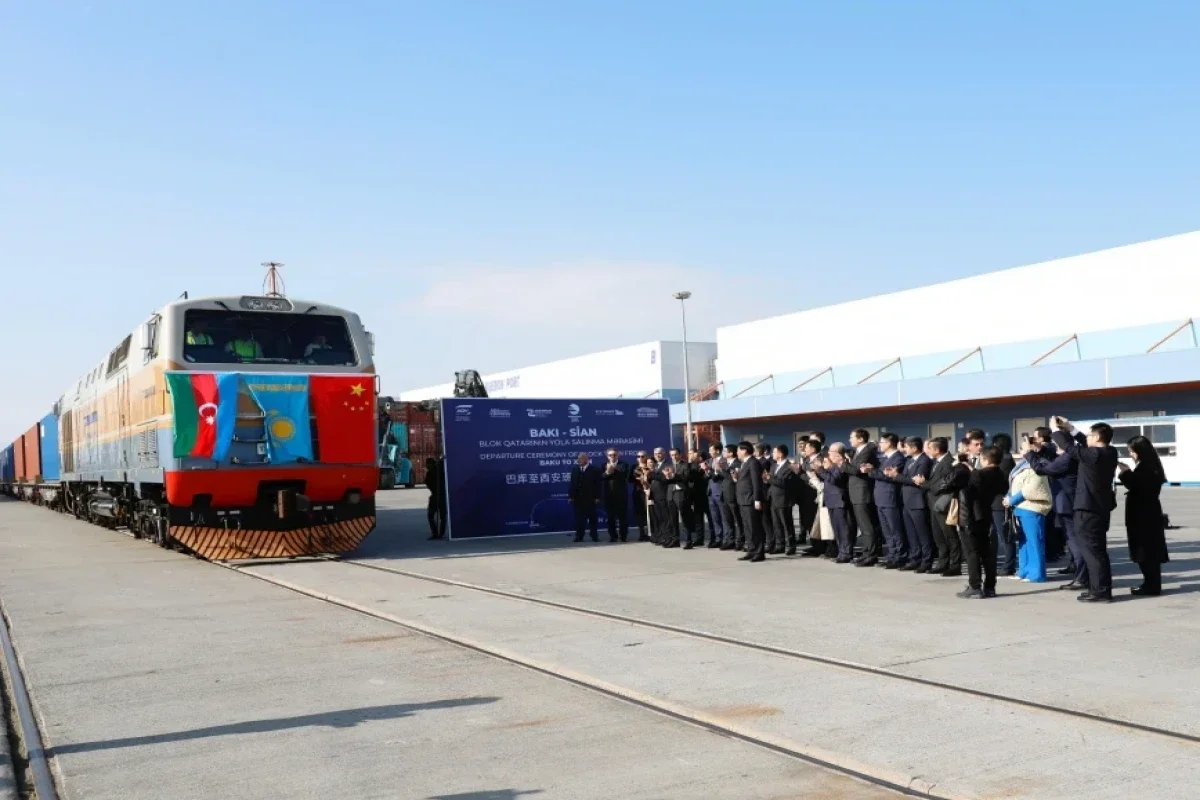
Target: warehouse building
x,y
643,371
1099,336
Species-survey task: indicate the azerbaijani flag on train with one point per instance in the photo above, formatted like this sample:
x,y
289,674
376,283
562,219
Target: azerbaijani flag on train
x,y
284,403
345,410
205,406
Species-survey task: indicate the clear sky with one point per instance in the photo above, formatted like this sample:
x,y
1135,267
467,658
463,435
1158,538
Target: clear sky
x,y
493,184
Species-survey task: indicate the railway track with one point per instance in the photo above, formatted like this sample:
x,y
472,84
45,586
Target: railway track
x,y
29,761
895,774
901,785
799,655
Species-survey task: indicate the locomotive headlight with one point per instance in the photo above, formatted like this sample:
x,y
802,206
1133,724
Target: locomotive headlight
x,y
354,498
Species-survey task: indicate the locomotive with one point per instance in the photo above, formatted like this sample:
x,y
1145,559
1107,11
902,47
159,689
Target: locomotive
x,y
126,446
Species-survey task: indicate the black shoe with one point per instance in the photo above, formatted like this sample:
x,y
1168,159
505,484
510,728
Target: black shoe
x,y
688,546
757,559
938,566
881,564
595,538
809,553
671,545
615,539
1073,587
1088,597
951,573
843,560
791,551
746,557
867,562
893,565
970,594
1142,591
1065,571
989,593
726,547
624,539
714,544
909,567
921,570
579,538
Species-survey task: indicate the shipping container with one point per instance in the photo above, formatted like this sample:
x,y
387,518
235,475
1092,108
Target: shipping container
x,y
33,455
19,459
424,441
8,466
49,448
410,414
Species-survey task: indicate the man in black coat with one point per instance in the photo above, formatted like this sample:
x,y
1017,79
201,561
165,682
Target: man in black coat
x,y
861,487
984,484
833,474
1046,459
1006,539
714,469
584,495
939,493
780,495
750,498
659,490
1094,500
616,496
736,538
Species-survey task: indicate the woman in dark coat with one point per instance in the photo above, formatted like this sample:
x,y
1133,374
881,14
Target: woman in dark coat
x,y
1143,514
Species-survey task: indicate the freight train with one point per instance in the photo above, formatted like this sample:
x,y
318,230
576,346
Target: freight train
x,y
142,441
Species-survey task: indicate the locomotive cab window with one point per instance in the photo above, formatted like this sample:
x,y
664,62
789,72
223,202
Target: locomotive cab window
x,y
255,337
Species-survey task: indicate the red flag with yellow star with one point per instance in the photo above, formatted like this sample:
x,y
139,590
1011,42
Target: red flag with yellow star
x,y
344,406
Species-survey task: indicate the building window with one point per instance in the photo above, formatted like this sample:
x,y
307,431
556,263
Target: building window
x,y
1026,426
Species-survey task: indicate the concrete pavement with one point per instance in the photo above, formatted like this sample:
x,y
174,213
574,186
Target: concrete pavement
x,y
156,675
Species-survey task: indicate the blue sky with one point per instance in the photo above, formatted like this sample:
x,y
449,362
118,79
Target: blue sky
x,y
495,184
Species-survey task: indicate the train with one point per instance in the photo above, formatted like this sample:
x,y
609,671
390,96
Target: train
x,y
141,441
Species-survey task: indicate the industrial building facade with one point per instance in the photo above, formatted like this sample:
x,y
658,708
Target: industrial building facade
x,y
644,371
1100,336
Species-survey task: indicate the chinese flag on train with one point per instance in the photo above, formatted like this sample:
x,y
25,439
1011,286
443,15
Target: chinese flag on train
x,y
344,406
205,406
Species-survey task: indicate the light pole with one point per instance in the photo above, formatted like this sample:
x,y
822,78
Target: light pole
x,y
687,386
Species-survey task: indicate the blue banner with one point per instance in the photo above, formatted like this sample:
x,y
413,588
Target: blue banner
x,y
284,402
508,462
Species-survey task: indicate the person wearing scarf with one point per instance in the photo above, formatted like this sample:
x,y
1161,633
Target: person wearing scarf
x,y
1030,499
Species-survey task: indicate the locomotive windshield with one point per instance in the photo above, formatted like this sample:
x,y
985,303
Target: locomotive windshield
x,y
255,337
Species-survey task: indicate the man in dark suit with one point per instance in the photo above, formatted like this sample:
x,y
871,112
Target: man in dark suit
x,y
714,469
1046,459
696,486
616,496
889,503
1094,500
584,495
762,457
833,474
736,533
780,495
750,497
861,486
912,478
949,562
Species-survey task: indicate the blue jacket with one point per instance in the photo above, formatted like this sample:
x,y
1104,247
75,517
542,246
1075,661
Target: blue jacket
x,y
837,495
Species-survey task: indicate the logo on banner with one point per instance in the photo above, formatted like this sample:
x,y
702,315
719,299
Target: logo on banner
x,y
573,412
645,412
499,413
538,413
609,412
462,413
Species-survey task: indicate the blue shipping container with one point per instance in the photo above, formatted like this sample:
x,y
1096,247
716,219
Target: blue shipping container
x,y
49,448
8,465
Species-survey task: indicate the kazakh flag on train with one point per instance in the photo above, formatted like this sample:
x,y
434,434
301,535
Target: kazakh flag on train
x,y
284,403
205,406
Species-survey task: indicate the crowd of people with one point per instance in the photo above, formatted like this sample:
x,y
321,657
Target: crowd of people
x,y
901,504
